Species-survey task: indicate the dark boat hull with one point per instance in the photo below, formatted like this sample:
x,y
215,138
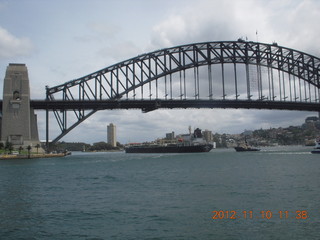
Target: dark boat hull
x,y
242,149
169,149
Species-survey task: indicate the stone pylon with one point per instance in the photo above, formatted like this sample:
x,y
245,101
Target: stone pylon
x,y
19,123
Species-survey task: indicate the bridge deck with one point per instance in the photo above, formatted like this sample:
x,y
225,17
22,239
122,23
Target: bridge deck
x,y
149,105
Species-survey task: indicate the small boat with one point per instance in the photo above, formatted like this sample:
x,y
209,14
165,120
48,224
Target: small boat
x,y
246,148
67,153
317,146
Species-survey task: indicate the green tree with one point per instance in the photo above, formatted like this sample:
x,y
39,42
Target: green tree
x,y
8,146
100,146
29,148
37,147
20,149
119,145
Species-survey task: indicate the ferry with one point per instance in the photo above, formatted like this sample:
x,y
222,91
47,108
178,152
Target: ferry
x,y
190,143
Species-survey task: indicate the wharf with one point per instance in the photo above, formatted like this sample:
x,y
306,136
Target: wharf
x,y
32,156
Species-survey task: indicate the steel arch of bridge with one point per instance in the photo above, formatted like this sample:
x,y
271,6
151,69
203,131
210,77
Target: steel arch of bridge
x,y
229,74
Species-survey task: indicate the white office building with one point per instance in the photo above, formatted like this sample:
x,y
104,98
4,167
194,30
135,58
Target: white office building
x,y
112,136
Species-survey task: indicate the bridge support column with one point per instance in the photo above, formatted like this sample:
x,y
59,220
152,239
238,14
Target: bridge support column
x,y
19,123
47,130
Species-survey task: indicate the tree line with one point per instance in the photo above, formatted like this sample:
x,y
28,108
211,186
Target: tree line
x,y
9,148
81,146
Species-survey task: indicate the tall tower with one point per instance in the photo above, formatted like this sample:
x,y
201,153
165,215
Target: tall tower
x,y
112,137
19,123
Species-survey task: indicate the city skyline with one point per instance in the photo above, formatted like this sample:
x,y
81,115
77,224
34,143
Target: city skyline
x,y
208,133
57,48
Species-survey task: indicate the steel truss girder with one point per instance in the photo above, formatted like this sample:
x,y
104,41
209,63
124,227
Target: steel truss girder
x,y
299,64
121,79
149,105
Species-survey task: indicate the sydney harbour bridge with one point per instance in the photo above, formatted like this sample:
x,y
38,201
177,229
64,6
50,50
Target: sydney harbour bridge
x,y
224,74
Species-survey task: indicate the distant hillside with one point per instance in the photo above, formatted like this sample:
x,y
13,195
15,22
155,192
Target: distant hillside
x,y
293,135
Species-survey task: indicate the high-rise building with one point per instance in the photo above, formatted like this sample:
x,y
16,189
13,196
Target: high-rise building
x,y
112,136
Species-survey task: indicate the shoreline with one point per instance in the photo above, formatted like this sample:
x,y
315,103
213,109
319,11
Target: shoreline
x,y
32,156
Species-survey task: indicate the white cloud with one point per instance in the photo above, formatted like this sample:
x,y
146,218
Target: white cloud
x,y
70,47
201,21
172,28
290,23
99,32
119,51
107,30
11,46
302,26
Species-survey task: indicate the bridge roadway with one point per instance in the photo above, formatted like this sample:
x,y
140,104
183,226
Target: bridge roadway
x,y
150,105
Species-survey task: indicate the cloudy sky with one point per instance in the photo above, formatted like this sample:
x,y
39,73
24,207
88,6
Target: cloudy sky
x,y
62,40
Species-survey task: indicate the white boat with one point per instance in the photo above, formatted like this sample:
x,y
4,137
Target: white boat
x,y
317,147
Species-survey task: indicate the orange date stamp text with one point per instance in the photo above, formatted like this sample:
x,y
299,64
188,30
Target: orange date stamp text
x,y
263,214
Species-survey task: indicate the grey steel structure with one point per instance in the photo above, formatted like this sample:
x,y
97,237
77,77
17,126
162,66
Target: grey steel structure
x,y
19,123
229,74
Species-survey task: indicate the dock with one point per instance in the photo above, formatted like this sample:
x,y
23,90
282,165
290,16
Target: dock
x,y
31,156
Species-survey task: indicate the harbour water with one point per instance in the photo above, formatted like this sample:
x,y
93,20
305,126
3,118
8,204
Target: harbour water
x,y
271,194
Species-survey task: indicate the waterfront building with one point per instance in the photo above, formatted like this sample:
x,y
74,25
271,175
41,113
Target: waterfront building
x,y
170,136
208,135
112,136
